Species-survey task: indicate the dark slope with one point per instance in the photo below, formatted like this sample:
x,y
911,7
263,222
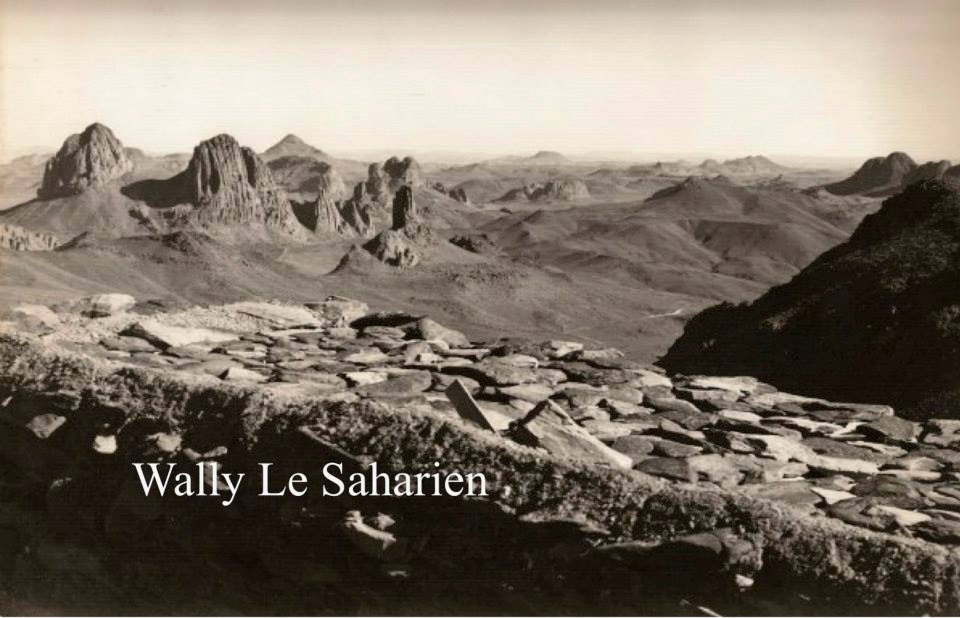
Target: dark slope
x,y
875,319
879,176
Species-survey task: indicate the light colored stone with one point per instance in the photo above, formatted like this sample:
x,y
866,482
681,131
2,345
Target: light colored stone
x,y
282,316
166,336
551,428
102,305
739,415
739,384
363,378
647,378
560,349
105,445
366,357
338,310
43,425
904,517
534,393
428,329
832,496
467,408
41,313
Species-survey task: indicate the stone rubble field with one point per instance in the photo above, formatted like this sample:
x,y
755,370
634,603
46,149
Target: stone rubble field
x,y
857,462
854,463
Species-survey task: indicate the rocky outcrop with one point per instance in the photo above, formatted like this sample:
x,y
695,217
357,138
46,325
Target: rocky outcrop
x,y
86,160
631,488
305,177
554,190
931,170
341,218
394,248
16,238
403,172
874,319
229,185
405,212
475,243
402,245
376,192
877,177
457,193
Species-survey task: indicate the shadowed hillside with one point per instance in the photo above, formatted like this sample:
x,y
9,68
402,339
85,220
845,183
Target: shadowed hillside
x,y
874,319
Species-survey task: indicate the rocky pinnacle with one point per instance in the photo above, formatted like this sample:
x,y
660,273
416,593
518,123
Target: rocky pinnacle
x,y
85,160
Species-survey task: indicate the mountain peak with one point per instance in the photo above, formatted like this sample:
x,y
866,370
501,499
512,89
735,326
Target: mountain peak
x,y
88,159
877,177
293,145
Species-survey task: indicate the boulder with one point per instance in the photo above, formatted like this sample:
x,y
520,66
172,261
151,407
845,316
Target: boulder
x,y
493,372
429,330
280,316
468,409
549,427
43,425
671,468
166,336
338,310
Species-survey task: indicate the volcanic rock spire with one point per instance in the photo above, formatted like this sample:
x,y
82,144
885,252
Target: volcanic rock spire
x,y
86,160
230,185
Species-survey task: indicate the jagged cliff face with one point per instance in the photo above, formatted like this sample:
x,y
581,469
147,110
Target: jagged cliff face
x,y
85,160
375,189
230,185
877,318
404,209
343,219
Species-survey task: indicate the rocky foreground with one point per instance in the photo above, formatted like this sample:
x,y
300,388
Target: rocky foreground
x,y
614,487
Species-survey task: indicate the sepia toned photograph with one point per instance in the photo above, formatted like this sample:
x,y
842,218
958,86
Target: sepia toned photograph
x,y
479,308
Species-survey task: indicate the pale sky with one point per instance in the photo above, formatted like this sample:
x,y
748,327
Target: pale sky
x,y
813,77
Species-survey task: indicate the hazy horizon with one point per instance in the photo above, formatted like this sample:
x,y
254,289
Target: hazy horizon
x,y
838,80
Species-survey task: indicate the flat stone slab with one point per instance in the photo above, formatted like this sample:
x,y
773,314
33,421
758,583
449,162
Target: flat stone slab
x,y
166,336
